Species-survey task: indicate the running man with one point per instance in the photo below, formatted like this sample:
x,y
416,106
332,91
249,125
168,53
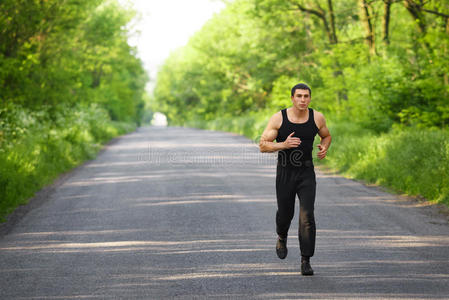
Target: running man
x,y
294,130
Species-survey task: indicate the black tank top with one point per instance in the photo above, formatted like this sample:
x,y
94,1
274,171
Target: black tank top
x,y
305,131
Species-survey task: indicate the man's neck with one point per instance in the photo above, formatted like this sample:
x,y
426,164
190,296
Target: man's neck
x,y
299,113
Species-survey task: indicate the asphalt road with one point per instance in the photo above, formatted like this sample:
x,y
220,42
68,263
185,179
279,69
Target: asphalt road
x,y
166,213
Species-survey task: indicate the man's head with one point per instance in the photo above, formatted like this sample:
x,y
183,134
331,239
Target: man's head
x,y
301,86
301,94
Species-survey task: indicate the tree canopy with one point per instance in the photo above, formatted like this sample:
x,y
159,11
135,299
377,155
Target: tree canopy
x,y
377,62
56,52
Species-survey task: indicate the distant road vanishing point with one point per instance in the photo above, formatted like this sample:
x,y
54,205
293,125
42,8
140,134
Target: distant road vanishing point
x,y
181,213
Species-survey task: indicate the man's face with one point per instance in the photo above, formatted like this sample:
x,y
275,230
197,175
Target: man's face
x,y
301,99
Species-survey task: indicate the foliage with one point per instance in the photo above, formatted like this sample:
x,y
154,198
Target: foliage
x,y
69,82
248,56
55,52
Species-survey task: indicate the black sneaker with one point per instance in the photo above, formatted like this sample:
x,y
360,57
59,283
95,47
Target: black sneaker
x,y
281,248
306,269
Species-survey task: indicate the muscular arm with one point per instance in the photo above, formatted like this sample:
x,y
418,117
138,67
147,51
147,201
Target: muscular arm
x,y
324,134
270,133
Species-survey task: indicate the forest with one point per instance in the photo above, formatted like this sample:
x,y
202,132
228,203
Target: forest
x,y
378,70
69,82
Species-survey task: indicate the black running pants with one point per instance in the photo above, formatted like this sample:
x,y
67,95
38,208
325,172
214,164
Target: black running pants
x,y
301,181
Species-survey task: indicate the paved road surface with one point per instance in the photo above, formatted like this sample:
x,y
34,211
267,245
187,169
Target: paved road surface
x,y
167,213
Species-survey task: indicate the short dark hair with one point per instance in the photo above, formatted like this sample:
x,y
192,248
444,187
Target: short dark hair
x,y
301,86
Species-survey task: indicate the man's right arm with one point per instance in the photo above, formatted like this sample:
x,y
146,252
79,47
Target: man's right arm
x,y
270,133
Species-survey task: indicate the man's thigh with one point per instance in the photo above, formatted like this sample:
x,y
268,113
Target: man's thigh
x,y
306,189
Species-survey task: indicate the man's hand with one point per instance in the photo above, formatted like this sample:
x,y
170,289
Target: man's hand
x,y
292,142
323,151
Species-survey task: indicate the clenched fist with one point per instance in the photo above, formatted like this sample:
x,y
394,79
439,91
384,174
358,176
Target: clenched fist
x,y
323,151
292,142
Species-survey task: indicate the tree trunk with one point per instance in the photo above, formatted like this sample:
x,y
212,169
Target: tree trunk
x,y
321,15
331,35
416,11
386,22
445,76
332,19
368,26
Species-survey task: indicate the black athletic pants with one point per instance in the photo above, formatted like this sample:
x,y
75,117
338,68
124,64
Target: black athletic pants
x,y
301,181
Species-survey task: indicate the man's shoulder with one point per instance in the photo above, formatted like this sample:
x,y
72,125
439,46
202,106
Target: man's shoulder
x,y
276,119
319,118
317,114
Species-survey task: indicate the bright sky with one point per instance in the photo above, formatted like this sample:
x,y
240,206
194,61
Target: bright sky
x,y
165,25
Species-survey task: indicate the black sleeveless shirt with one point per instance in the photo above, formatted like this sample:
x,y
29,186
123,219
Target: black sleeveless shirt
x,y
305,131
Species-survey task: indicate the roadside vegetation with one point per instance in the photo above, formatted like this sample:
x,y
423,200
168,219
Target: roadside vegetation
x,y
69,82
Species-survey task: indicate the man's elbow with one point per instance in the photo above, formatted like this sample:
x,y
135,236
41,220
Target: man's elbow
x,y
262,146
327,137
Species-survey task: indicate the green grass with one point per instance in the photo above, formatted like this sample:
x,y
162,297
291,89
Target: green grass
x,y
35,148
407,160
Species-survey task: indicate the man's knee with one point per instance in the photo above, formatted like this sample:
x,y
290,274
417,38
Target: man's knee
x,y
284,216
307,217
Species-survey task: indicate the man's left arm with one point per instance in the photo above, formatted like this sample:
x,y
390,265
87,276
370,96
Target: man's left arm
x,y
325,136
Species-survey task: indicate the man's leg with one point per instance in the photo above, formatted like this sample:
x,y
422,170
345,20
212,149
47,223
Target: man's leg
x,y
285,193
307,228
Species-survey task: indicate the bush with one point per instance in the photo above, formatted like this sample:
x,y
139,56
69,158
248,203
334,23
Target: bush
x,y
410,160
36,146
